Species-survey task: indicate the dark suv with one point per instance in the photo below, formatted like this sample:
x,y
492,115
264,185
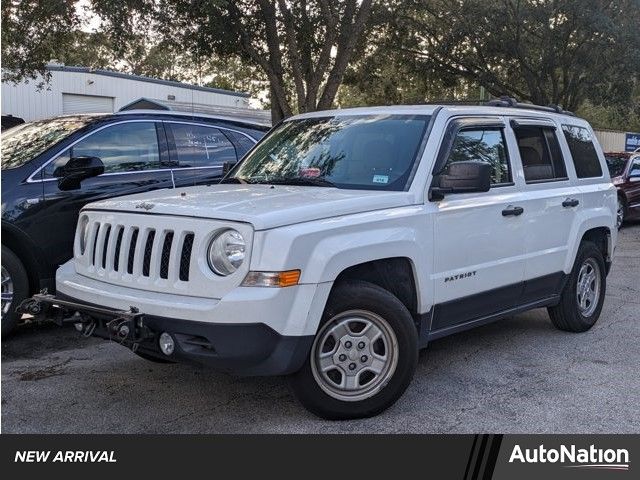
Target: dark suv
x,y
624,169
51,168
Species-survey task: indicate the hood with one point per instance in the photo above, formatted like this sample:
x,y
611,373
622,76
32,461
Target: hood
x,y
264,206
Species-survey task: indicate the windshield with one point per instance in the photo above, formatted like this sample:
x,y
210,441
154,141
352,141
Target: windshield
x,y
25,142
374,152
616,165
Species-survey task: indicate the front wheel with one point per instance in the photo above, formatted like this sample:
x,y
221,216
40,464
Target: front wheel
x,y
583,295
15,288
363,357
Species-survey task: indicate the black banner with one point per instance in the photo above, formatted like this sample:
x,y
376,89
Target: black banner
x,y
459,457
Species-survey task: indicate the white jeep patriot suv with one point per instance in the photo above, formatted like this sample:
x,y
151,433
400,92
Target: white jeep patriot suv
x,y
347,240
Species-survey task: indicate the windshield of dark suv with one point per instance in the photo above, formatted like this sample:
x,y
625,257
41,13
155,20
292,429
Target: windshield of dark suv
x,y
373,152
23,143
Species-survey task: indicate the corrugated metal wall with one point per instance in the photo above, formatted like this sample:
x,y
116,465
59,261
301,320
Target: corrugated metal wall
x,y
25,101
610,140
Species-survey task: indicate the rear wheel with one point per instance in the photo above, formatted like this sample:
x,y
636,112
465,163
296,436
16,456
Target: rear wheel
x,y
15,288
583,295
622,211
363,357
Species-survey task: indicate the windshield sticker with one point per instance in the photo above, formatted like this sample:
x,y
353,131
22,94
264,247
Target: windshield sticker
x,y
310,172
381,179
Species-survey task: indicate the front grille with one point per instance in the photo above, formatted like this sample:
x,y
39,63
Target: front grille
x,y
142,252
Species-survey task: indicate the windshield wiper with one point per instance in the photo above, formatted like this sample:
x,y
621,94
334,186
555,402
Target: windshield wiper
x,y
308,181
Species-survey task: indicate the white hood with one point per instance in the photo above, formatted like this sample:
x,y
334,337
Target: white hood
x,y
264,206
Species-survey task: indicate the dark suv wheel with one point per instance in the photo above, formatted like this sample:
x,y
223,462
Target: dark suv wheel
x,y
622,211
15,288
363,357
583,295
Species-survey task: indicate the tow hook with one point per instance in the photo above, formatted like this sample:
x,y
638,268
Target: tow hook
x,y
122,325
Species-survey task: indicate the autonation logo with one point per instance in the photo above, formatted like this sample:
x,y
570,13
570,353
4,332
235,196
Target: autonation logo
x,y
574,457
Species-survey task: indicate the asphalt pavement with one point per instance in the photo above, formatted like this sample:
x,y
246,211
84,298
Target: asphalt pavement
x,y
519,375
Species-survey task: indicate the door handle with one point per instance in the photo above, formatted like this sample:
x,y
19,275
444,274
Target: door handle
x,y
571,202
512,211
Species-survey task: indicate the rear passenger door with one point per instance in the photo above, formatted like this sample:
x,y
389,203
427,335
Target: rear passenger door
x,y
198,152
551,204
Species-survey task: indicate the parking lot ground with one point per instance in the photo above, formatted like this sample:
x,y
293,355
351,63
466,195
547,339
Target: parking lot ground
x,y
517,375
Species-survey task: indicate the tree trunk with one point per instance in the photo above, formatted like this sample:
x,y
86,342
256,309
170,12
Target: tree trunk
x,y
277,114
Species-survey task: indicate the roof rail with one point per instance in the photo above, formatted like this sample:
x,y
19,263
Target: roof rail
x,y
455,102
512,102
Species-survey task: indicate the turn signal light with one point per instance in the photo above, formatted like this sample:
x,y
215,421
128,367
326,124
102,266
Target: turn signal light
x,y
272,279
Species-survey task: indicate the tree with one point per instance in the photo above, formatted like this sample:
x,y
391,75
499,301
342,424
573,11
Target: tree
x,y
87,49
303,48
33,33
543,51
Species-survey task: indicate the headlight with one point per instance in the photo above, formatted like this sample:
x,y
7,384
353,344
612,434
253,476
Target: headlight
x,y
83,232
226,252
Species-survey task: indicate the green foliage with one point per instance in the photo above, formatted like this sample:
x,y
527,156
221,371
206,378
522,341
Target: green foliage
x,y
34,32
625,117
299,56
544,51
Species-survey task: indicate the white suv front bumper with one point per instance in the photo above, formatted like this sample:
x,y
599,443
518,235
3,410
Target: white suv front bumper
x,y
251,330
291,311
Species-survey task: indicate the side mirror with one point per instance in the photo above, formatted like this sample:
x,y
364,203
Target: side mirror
x,y
78,169
461,177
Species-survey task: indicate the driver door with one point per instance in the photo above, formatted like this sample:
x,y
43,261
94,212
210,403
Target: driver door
x,y
479,242
132,153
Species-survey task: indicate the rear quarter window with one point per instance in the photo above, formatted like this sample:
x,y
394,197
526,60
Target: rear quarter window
x,y
583,152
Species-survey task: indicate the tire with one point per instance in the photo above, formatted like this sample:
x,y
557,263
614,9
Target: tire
x,y
356,307
621,214
152,358
15,281
569,315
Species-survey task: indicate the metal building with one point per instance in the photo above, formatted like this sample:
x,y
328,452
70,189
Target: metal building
x,y
616,141
85,90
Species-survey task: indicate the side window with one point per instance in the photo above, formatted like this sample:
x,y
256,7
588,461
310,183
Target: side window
x,y
583,152
485,145
200,146
126,147
540,153
634,171
243,143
